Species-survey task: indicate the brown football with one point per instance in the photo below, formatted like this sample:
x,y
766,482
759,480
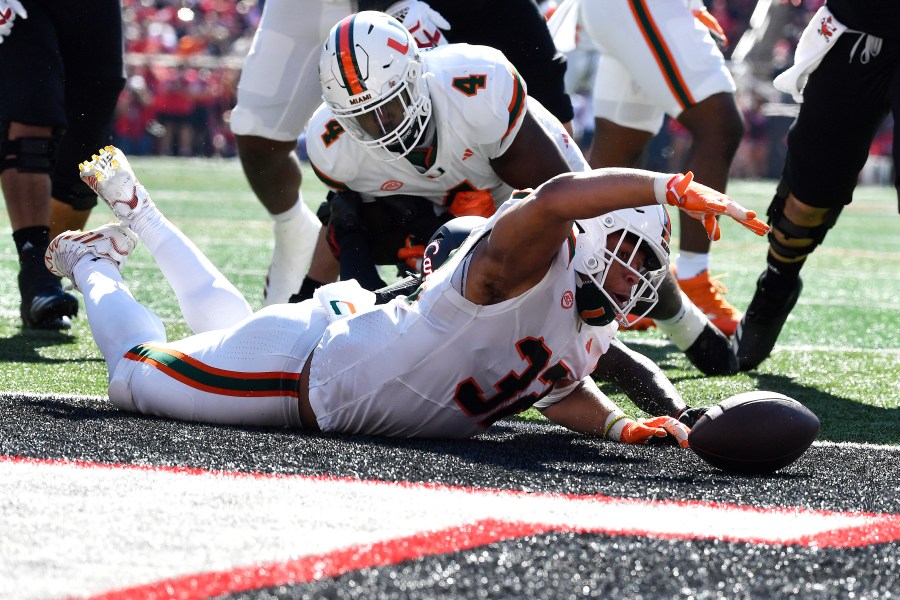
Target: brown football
x,y
754,432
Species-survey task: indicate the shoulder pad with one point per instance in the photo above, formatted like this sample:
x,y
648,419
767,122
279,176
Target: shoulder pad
x,y
333,154
479,82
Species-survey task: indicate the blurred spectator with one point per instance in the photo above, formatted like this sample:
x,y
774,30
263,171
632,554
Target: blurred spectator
x,y
134,117
183,61
174,107
750,160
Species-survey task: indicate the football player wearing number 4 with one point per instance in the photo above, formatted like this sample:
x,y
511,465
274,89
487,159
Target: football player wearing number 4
x,y
453,126
519,316
277,96
443,125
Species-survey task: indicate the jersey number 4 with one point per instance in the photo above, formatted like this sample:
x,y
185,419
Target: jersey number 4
x,y
470,84
333,131
471,399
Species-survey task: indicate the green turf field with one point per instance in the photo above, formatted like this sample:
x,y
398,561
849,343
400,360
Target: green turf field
x,y
839,353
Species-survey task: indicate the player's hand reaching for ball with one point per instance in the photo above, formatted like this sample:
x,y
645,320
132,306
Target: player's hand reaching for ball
x,y
647,431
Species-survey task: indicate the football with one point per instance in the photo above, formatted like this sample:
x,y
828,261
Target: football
x,y
754,432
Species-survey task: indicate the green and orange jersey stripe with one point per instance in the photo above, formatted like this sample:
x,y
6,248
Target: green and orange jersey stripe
x,y
516,104
661,52
346,58
198,375
332,183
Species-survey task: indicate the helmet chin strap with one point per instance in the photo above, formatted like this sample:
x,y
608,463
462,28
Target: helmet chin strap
x,y
594,307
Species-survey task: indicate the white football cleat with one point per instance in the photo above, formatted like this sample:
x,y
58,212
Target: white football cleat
x,y
110,175
113,242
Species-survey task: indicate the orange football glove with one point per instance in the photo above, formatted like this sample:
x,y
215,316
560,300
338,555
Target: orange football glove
x,y
676,429
477,203
644,430
704,204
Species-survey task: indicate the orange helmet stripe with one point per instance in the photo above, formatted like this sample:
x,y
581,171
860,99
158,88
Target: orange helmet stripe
x,y
346,59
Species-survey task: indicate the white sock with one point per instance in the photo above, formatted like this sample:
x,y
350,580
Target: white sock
x,y
297,210
691,264
296,231
687,324
118,322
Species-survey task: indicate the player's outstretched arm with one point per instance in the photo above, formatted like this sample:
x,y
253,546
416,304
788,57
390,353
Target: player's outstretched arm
x,y
588,410
528,234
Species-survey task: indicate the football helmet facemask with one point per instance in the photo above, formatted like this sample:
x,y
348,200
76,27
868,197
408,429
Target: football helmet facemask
x,y
371,77
649,229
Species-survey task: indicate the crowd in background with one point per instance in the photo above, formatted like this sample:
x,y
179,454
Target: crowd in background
x,y
183,61
184,58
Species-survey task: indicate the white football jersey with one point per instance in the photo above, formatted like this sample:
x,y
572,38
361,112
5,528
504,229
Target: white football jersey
x,y
478,101
437,365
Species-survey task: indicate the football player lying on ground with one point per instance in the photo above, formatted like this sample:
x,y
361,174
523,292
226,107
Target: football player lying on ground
x,y
451,129
517,317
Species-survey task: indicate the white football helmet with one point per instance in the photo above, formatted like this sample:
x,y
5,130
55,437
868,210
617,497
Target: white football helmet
x,y
371,77
649,229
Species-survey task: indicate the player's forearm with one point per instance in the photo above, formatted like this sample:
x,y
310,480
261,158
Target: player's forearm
x,y
588,410
592,193
585,410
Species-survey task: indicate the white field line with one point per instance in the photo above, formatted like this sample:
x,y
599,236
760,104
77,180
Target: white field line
x,y
79,529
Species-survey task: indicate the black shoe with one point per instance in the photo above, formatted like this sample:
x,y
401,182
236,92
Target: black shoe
x,y
756,334
45,305
711,353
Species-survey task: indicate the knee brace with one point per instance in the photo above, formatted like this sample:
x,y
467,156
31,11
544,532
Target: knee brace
x,y
28,154
789,230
